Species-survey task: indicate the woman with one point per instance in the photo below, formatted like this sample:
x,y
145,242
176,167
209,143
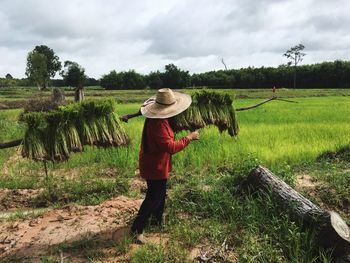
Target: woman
x,y
157,147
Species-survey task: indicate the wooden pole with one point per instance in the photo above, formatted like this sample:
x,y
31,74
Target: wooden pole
x,y
10,144
126,118
256,105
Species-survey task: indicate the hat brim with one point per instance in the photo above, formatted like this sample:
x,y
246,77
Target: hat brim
x,y
154,110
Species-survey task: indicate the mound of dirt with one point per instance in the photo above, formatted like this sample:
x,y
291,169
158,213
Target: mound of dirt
x,y
138,184
12,104
342,154
17,198
306,183
29,238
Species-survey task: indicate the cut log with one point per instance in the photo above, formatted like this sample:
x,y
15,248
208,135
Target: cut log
x,y
10,144
333,231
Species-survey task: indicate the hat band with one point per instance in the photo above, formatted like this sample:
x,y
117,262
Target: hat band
x,y
166,104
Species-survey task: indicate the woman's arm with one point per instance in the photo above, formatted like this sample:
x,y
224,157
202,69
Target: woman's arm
x,y
167,144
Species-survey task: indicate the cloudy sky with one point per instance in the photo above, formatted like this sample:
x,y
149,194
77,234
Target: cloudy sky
x,y
193,34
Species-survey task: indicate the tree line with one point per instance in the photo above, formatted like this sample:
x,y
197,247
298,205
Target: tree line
x,y
43,64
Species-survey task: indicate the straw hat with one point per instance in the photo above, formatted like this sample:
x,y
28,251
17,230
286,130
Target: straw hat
x,y
165,104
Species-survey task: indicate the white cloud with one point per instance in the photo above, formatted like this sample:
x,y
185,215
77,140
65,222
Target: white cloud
x,y
195,35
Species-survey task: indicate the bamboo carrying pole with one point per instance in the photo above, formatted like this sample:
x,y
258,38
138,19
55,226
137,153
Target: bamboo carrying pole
x,y
126,118
10,144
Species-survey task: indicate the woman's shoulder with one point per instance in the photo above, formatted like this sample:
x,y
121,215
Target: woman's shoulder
x,y
159,124
159,121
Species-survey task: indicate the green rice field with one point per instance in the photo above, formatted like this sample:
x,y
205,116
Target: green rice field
x,y
286,137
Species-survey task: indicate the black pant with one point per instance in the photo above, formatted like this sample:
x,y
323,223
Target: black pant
x,y
153,205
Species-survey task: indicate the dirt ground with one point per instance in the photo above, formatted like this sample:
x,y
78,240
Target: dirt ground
x,y
309,187
60,233
33,236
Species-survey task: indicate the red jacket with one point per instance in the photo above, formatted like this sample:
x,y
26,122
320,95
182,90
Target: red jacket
x,y
157,146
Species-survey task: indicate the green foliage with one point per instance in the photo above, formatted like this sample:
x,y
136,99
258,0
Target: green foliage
x,y
207,108
8,76
10,129
175,78
73,75
84,190
52,60
123,80
132,80
37,68
55,134
295,54
149,253
154,80
42,63
112,80
326,74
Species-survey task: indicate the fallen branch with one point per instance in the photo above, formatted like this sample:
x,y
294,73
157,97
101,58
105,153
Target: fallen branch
x,y
10,144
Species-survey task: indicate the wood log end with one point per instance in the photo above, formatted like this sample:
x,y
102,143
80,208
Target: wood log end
x,y
340,226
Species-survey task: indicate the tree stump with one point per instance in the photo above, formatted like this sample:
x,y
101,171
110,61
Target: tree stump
x,y
333,230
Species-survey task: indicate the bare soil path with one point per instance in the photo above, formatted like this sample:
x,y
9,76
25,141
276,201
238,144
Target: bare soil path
x,y
30,238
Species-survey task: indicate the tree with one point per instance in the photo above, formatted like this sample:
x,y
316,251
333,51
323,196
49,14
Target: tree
x,y
154,80
123,80
53,64
37,68
74,76
53,61
8,76
295,55
175,77
132,80
112,80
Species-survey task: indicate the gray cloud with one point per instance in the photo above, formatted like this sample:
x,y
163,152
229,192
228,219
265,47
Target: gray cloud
x,y
146,35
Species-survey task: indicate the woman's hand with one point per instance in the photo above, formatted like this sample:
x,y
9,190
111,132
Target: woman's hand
x,y
193,136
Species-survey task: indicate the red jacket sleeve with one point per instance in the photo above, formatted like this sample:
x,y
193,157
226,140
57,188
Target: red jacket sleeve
x,y
165,142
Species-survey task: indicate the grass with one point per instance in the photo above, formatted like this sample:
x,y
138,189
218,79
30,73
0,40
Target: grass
x,y
10,129
20,214
331,179
259,231
151,253
203,205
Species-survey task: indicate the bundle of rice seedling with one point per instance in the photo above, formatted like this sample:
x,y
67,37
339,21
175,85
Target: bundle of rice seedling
x,y
33,143
207,108
53,135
